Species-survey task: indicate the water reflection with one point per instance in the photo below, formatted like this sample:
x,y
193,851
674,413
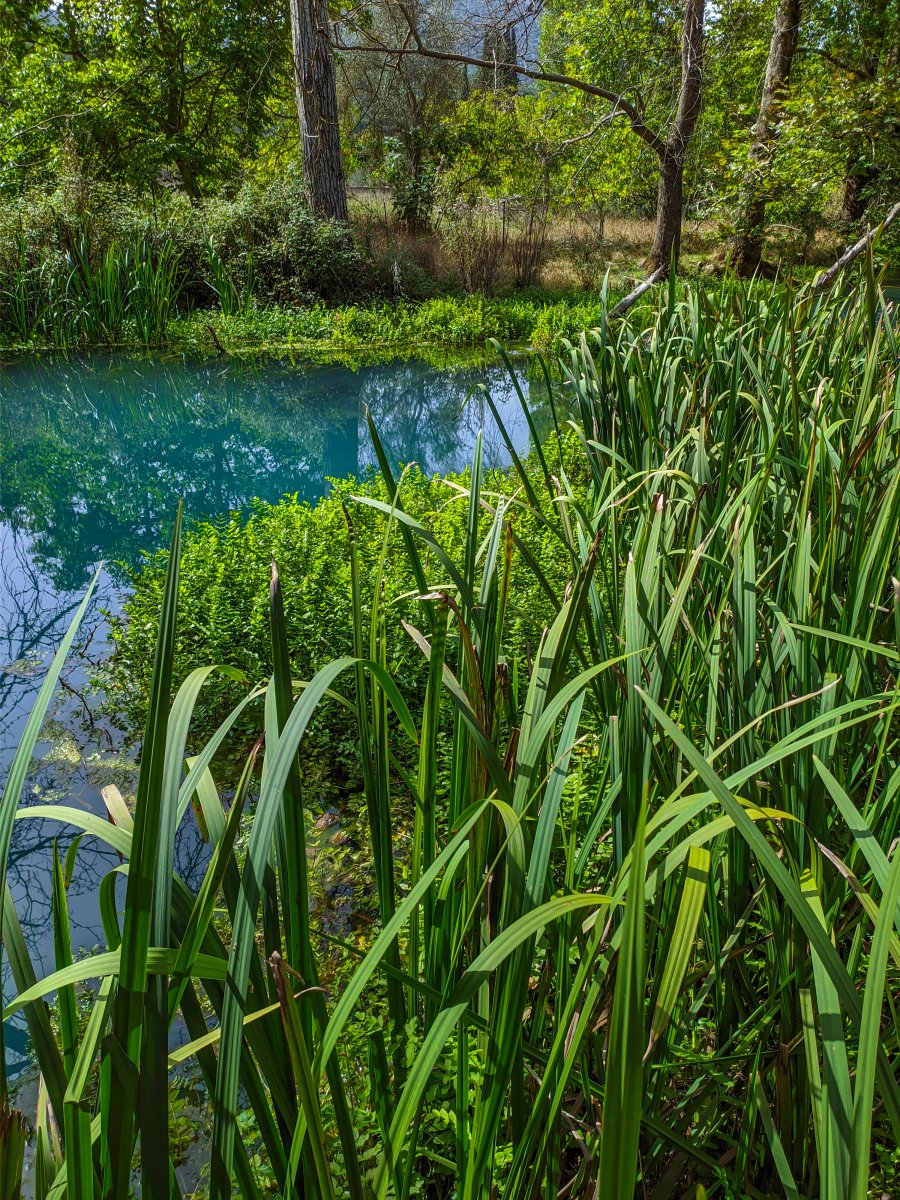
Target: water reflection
x,y
94,454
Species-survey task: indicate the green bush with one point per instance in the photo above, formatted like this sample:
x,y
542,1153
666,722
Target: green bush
x,y
261,243
266,232
225,573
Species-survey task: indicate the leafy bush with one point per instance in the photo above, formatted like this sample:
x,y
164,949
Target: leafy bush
x,y
224,579
413,186
60,249
266,232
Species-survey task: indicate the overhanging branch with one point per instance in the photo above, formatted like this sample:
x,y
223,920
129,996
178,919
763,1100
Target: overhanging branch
x,y
420,49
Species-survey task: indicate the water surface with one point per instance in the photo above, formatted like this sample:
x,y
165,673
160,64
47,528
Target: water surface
x,y
94,454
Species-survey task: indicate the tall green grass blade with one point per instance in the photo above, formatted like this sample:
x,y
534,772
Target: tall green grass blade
x,y
134,1055
18,770
623,1089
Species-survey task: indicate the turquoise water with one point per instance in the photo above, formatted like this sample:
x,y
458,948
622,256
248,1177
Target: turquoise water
x,y
94,455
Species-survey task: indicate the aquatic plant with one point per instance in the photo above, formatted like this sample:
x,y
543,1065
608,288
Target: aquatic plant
x,y
642,933
125,295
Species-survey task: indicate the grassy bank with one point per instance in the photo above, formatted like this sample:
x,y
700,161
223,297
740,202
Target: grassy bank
x,y
87,266
392,327
373,330
624,727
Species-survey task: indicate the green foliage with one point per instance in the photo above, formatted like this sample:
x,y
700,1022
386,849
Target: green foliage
x,y
641,934
412,185
361,331
86,264
632,50
224,577
184,97
267,238
494,143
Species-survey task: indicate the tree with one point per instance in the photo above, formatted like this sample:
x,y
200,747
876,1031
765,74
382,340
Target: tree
x,y
747,245
139,92
854,47
500,47
317,109
669,141
395,110
673,151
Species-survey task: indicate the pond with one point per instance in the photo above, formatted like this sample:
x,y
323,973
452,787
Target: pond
x,y
94,454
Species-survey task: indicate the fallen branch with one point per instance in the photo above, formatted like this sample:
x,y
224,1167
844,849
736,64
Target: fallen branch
x,y
212,333
824,281
626,302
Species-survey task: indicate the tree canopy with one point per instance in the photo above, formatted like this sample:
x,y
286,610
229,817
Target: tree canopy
x,y
573,101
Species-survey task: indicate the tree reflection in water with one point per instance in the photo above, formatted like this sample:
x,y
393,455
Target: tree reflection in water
x,y
94,455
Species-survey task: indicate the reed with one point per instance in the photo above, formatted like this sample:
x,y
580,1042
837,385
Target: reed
x,y
235,298
644,938
125,295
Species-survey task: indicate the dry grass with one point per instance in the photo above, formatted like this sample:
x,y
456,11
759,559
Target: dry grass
x,y
580,247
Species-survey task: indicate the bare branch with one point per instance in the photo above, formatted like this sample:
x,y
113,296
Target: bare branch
x,y
622,106
626,302
860,73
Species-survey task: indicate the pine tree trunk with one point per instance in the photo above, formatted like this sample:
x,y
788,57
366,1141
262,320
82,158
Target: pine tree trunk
x,y
746,253
317,110
670,193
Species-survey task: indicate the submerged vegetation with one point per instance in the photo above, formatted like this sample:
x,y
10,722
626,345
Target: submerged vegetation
x,y
636,878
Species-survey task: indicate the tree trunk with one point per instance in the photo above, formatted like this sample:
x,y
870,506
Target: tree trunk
x,y
856,182
746,252
189,182
669,204
673,151
317,110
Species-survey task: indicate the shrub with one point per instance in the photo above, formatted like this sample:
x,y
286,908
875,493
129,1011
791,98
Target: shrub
x,y
526,222
474,235
267,232
413,186
57,247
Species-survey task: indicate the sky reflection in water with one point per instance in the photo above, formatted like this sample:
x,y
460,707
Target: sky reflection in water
x,y
94,455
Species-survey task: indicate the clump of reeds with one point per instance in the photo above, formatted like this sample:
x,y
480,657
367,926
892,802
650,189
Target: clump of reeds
x,y
642,941
126,294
